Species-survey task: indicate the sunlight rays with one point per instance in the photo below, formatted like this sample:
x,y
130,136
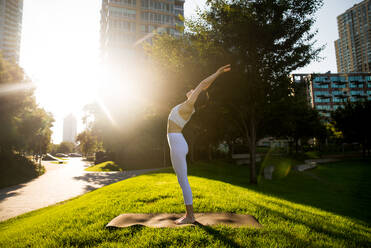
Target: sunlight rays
x,y
9,88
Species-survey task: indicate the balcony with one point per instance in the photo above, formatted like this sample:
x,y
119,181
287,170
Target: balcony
x,y
324,83
356,82
338,82
360,95
341,96
322,95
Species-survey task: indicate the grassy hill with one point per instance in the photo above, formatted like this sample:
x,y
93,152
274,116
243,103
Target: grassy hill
x,y
105,166
325,207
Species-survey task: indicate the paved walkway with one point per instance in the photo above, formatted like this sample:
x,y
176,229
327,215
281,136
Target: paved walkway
x,y
59,183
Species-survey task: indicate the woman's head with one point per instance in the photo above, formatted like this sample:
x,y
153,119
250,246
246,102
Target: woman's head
x,y
189,93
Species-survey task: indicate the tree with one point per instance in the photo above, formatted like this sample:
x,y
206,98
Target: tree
x,y
25,127
264,41
88,142
353,120
14,98
293,118
34,126
182,63
66,147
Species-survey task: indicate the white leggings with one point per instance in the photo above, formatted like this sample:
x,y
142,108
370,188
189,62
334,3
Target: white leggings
x,y
178,153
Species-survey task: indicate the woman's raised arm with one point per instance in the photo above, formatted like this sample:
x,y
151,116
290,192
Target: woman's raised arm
x,y
206,83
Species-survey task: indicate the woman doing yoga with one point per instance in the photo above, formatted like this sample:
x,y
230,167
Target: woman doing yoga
x,y
178,117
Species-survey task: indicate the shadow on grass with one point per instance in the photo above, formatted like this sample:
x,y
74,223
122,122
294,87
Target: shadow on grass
x,y
343,189
329,230
132,230
218,235
102,179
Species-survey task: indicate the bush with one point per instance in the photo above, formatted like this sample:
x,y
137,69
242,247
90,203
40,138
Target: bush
x,y
16,169
100,157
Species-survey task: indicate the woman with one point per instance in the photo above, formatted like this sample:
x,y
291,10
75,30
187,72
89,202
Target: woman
x,y
178,117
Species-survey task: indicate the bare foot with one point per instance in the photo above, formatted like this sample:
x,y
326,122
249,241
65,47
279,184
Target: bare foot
x,y
185,220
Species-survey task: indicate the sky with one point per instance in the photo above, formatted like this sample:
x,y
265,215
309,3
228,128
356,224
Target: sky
x,y
60,51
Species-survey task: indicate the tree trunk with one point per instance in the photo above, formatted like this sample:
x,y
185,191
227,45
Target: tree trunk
x,y
230,149
296,146
164,152
192,150
252,148
210,156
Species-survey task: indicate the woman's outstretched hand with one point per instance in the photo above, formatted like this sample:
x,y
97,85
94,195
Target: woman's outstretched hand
x,y
223,69
208,81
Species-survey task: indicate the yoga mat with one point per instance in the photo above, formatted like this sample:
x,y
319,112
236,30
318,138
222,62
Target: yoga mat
x,y
167,220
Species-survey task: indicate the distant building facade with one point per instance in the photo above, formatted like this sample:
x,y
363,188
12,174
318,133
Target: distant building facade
x,y
353,48
126,23
70,128
10,28
328,91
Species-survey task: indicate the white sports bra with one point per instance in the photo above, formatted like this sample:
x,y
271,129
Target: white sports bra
x,y
175,116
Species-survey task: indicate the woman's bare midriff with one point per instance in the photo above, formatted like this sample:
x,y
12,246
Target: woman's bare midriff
x,y
185,111
172,127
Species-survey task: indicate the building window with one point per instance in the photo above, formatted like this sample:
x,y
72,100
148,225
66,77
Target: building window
x,y
131,3
320,86
122,12
323,107
321,93
335,107
337,85
157,5
317,99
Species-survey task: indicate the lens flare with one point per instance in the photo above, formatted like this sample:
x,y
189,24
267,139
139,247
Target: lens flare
x,y
14,87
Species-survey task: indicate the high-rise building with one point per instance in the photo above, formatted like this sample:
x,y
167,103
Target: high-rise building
x,y
328,91
69,128
10,28
126,23
353,48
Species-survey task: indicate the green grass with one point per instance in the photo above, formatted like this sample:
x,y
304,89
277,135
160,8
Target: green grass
x,y
63,158
313,154
282,165
325,207
55,162
105,166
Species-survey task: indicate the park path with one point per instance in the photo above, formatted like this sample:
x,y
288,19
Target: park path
x,y
58,183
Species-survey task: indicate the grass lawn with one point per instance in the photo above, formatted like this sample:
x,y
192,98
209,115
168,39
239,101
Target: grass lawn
x,y
325,207
105,166
55,162
63,158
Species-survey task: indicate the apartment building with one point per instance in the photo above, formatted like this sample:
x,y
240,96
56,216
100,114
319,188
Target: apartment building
x,y
353,48
125,24
10,28
328,91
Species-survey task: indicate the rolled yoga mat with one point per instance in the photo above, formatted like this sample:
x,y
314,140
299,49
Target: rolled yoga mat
x,y
167,220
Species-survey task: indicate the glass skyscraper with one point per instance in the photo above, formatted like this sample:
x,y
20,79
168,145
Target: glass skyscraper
x,y
353,48
10,28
